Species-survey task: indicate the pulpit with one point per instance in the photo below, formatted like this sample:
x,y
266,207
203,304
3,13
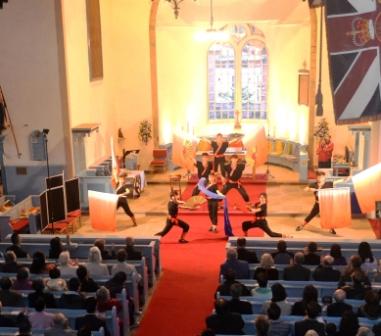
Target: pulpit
x,y
102,209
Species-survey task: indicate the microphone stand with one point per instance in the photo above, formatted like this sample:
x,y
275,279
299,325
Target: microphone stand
x,y
50,211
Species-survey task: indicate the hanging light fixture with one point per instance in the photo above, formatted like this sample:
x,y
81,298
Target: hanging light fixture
x,y
175,6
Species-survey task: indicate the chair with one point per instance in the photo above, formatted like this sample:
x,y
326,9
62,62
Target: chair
x,y
175,183
159,159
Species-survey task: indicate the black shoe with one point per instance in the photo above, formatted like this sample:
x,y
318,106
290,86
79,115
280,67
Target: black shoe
x,y
332,231
299,228
183,241
211,229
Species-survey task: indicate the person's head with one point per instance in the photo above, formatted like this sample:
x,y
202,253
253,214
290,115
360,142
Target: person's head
x,y
310,294
365,252
60,321
221,306
262,325
95,255
241,242
372,298
82,272
56,245
282,246
100,243
273,312
73,285
219,138
311,332
236,290
234,159
355,262
103,295
24,324
39,305
357,278
121,255
340,295
22,274
54,273
330,329
90,305
349,323
120,278
130,241
38,285
267,260
278,292
263,198
205,159
262,279
38,262
298,258
5,283
312,247
335,251
327,261
64,258
320,176
313,310
173,195
10,257
15,238
231,254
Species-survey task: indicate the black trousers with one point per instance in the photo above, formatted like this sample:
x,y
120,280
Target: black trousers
x,y
219,162
213,211
170,224
325,164
123,203
228,186
262,224
314,211
195,191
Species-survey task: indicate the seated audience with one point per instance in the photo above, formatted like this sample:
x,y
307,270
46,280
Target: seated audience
x,y
38,265
240,267
267,266
368,262
8,296
60,327
377,329
56,283
244,254
72,299
106,255
310,255
90,321
22,281
371,309
15,247
40,319
67,268
297,272
330,329
235,304
25,328
10,263
262,326
313,310
310,294
40,293
229,280
104,300
349,324
122,266
277,326
325,272
224,321
282,256
262,292
279,296
354,266
335,253
357,289
132,252
116,284
338,307
6,320
87,283
56,248
311,333
94,266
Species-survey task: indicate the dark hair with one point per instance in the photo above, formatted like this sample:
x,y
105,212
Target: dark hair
x,y
234,156
22,273
349,324
229,275
273,312
335,251
262,325
205,154
278,292
38,264
73,284
241,242
5,283
173,193
54,273
312,247
282,246
221,306
38,285
371,297
236,290
23,323
319,173
100,243
120,277
330,329
313,310
121,255
39,305
82,272
90,304
310,294
365,252
15,238
264,195
262,279
55,248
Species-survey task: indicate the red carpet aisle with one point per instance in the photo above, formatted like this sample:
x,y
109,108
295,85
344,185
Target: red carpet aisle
x,y
184,294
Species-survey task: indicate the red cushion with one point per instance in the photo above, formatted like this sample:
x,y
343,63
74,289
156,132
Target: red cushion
x,y
19,224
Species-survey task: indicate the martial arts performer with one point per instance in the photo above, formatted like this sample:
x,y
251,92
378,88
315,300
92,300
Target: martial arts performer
x,y
121,189
260,211
219,147
315,187
233,174
173,220
204,167
213,204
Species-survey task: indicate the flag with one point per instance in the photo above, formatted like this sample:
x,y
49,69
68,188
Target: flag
x,y
354,41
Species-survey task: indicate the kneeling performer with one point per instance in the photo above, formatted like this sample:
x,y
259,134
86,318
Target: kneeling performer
x,y
173,210
121,189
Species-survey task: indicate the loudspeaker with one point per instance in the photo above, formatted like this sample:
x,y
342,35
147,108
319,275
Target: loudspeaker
x,y
316,3
378,209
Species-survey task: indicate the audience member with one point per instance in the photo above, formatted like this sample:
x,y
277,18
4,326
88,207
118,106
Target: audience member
x,y
56,248
330,329
66,266
240,267
38,265
229,280
73,298
338,307
132,252
262,325
22,281
282,256
335,253
277,326
122,266
5,321
25,328
90,321
244,254
106,255
369,263
377,329
262,292
313,310
364,331
87,283
40,319
9,297
40,293
325,272
267,266
15,247
94,266
297,272
310,294
310,255
357,289
104,300
349,324
60,327
56,283
10,263
354,266
116,284
279,296
235,304
311,333
371,309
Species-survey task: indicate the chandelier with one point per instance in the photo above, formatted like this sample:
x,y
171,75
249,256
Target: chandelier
x,y
175,6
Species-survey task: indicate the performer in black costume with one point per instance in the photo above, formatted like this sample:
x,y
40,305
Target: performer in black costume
x,y
204,167
219,147
172,219
260,211
121,189
213,204
315,187
233,174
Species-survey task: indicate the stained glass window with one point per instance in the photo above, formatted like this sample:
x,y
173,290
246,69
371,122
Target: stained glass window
x,y
221,81
254,80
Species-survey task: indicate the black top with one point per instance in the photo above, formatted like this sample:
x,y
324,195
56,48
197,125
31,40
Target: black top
x,y
236,174
314,185
247,255
263,212
121,189
219,150
213,188
173,208
20,253
202,171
